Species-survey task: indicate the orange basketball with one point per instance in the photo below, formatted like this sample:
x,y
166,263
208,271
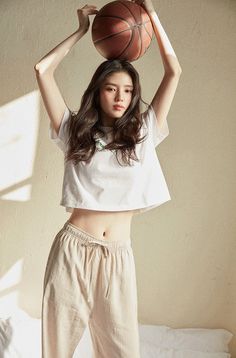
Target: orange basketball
x,y
122,30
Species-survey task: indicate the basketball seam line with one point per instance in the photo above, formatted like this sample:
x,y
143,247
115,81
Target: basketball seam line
x,y
116,17
109,36
140,35
132,36
147,31
128,10
121,18
116,34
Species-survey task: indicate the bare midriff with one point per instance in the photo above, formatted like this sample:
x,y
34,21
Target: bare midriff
x,y
103,225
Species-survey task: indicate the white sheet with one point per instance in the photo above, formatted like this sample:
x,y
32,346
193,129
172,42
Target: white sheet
x,y
20,337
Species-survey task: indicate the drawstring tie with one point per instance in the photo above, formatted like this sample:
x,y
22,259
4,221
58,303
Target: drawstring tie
x,y
105,251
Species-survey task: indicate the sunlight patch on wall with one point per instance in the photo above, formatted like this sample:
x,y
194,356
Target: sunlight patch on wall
x,y
19,122
21,194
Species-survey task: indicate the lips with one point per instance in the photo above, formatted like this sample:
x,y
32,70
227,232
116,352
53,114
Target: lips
x,y
118,108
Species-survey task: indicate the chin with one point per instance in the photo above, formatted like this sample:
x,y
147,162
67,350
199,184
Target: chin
x,y
112,115
119,114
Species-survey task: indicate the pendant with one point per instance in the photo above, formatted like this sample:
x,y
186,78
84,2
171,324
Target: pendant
x,y
100,144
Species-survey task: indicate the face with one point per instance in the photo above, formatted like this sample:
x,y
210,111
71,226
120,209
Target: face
x,y
115,96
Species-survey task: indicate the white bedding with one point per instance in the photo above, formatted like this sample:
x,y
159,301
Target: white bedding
x,y
20,337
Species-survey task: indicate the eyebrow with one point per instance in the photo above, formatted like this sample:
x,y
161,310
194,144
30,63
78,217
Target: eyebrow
x,y
113,84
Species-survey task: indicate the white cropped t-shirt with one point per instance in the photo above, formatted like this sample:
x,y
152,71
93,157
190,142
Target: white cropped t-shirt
x,y
104,185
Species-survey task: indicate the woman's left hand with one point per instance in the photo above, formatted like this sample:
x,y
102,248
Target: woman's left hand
x,y
146,4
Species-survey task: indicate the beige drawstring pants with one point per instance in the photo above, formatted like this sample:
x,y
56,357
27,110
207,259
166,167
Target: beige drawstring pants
x,y
89,282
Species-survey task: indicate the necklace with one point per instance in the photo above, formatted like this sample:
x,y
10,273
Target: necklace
x,y
100,143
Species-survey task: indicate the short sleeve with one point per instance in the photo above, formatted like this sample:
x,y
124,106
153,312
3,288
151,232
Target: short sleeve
x,y
61,139
156,132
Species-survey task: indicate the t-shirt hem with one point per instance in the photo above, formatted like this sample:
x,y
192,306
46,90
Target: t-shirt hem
x,y
69,207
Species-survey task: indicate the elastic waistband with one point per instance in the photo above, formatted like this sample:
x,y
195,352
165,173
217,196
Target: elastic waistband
x,y
87,238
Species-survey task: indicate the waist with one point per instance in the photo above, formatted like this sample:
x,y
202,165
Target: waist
x,y
88,240
105,225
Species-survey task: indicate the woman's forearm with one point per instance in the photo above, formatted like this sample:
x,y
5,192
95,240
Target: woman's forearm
x,y
51,60
169,58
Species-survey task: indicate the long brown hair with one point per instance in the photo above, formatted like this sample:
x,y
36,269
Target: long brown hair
x,y
83,126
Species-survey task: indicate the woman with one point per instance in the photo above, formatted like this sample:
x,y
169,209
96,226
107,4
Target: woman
x,y
111,173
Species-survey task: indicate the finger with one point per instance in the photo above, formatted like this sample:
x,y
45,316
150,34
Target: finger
x,y
87,8
92,11
92,6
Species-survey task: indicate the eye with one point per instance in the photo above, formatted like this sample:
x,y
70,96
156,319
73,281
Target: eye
x,y
129,91
110,89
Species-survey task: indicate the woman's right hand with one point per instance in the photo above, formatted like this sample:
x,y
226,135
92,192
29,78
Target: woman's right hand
x,y
83,16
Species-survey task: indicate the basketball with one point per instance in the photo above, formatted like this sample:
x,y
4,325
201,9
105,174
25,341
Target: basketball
x,y
122,29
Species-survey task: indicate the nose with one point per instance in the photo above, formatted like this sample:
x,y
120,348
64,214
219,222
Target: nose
x,y
119,96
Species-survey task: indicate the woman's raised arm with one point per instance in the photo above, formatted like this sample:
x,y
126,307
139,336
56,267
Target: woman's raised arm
x,y
52,97
164,95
